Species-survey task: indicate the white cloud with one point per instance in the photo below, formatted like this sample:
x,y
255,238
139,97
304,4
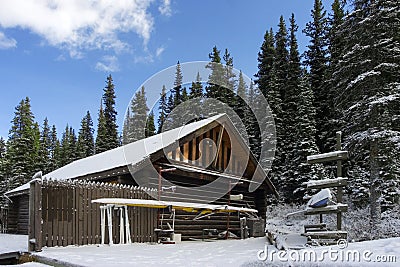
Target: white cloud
x,y
6,43
76,25
165,8
159,51
108,64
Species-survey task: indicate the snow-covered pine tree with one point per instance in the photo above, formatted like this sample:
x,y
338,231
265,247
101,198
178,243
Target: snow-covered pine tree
x,y
21,146
162,107
367,78
85,143
150,126
110,115
68,146
305,142
138,117
290,116
265,62
214,89
196,90
44,156
101,137
229,81
316,60
177,90
3,175
54,150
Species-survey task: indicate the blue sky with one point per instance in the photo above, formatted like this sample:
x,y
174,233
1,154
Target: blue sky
x,y
59,52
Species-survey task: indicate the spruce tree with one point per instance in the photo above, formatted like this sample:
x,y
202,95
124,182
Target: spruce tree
x,y
177,90
162,107
101,138
21,145
367,97
196,90
3,175
290,180
150,126
265,63
137,122
85,143
281,58
215,80
110,116
229,81
54,150
44,155
316,60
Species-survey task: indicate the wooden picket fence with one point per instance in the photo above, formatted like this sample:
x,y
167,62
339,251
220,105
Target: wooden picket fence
x,y
61,213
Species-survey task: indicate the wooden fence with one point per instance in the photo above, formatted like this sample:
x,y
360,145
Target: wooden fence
x,y
61,213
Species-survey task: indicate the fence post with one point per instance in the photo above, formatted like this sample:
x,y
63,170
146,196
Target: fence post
x,y
35,216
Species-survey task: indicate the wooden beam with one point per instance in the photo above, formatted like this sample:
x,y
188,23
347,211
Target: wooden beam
x,y
328,209
219,142
331,156
326,183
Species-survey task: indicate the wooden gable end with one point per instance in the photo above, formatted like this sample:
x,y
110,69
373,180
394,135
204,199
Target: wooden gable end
x,y
217,147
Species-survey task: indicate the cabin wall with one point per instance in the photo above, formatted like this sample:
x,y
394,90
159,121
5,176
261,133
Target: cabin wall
x,y
18,215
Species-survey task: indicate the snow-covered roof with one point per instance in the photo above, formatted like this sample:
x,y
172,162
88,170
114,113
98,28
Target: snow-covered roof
x,y
117,157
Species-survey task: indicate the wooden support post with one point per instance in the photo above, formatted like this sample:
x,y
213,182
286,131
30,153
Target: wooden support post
x,y
339,195
35,217
217,158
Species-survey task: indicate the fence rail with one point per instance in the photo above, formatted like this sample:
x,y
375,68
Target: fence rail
x,y
61,213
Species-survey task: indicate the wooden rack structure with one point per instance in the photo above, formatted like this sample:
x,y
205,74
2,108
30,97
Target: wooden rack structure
x,y
320,232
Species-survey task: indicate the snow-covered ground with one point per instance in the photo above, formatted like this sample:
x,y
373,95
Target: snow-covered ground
x,y
249,252
13,243
224,253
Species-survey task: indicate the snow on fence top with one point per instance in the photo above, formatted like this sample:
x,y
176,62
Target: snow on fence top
x,y
117,157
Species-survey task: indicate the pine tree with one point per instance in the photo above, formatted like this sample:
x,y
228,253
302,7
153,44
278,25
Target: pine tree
x,y
21,146
101,138
137,122
280,67
368,92
177,90
316,59
290,180
162,107
215,80
196,90
3,174
85,143
241,105
111,137
229,81
44,155
150,126
54,150
265,63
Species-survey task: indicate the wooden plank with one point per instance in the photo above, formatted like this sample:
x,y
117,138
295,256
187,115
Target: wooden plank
x,y
89,215
326,183
331,156
45,216
80,215
38,216
194,148
75,240
65,214
328,209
